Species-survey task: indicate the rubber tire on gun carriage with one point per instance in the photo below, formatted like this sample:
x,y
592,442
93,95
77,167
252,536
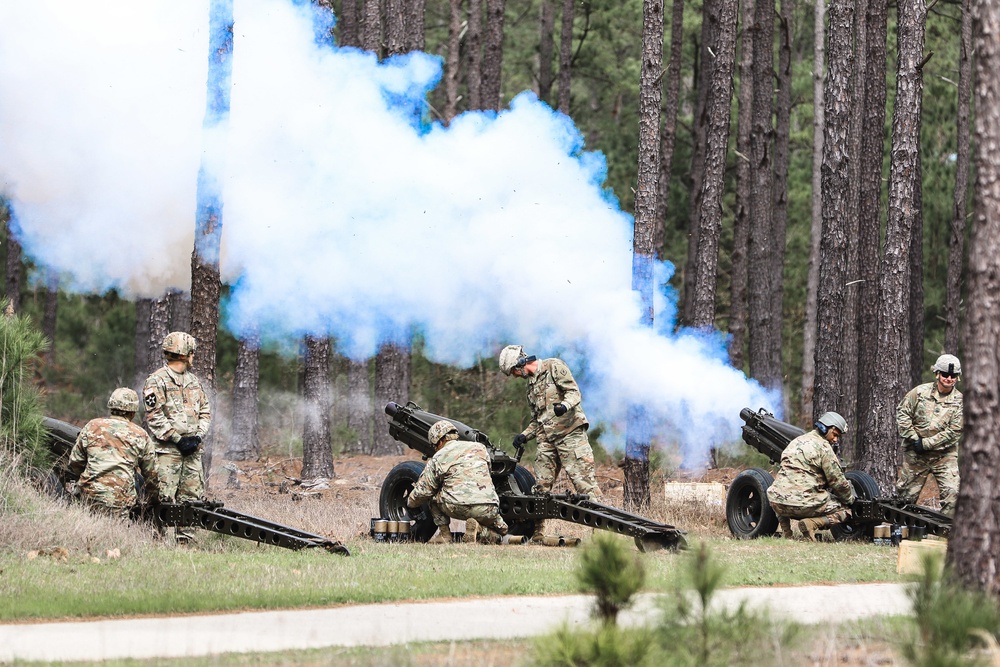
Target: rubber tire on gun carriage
x,y
866,488
522,481
392,500
748,511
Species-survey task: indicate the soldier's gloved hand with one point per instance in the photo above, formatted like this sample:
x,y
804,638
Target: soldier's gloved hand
x,y
559,409
188,444
917,444
520,439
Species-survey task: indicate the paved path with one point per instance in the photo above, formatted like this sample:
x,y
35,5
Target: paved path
x,y
392,623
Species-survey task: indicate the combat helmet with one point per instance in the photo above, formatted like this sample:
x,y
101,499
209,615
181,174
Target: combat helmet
x,y
124,399
947,363
178,342
832,420
440,429
512,357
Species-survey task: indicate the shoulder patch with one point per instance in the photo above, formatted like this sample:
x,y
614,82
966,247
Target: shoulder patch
x,y
150,400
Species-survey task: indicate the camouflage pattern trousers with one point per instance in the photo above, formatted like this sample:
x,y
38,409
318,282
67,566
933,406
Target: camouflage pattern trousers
x,y
181,477
104,505
572,453
832,508
917,467
486,514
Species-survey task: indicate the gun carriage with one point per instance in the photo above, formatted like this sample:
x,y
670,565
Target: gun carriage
x,y
518,505
749,513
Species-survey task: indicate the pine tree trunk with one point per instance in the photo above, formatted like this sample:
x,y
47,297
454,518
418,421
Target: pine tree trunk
x,y
392,383
493,55
566,56
546,46
668,135
452,69
395,29
782,129
741,216
141,359
158,328
349,24
360,411
244,440
415,25
916,261
371,38
317,452
474,47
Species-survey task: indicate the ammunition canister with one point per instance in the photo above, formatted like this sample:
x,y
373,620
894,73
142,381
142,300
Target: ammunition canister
x,y
553,541
457,537
392,529
379,529
571,541
403,531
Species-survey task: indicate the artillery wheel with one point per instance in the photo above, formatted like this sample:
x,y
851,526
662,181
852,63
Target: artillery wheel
x,y
748,511
523,481
866,488
392,500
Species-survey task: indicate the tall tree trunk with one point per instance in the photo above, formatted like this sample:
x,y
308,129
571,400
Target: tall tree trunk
x,y
741,217
180,310
493,55
764,351
395,29
716,148
415,25
636,467
349,24
159,327
565,56
956,240
546,46
205,280
668,135
867,445
371,38
15,266
142,362
452,69
816,227
392,383
916,262
244,439
892,362
474,49
317,453
972,547
360,411
782,130
833,246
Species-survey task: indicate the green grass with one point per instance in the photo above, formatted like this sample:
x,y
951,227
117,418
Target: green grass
x,y
234,575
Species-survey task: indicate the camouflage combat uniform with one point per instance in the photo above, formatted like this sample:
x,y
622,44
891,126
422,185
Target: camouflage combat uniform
x,y
811,482
937,419
105,457
562,441
177,406
456,483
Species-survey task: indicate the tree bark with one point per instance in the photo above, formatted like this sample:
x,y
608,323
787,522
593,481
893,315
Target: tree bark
x,y
392,383
371,38
395,29
916,262
636,491
493,55
452,69
546,47
317,452
782,129
668,135
415,25
566,56
179,304
158,328
141,356
972,546
348,22
244,439
956,240
474,48
360,411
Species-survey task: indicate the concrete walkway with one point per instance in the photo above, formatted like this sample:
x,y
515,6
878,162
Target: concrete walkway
x,y
399,623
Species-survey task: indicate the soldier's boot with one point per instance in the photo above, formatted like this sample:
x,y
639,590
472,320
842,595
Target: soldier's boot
x,y
811,525
443,535
785,524
471,530
538,536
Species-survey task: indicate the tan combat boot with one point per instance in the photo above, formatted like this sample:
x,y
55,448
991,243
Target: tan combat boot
x,y
471,530
785,524
539,535
811,525
443,535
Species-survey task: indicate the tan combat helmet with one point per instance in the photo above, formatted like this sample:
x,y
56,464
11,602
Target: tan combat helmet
x,y
124,399
947,363
440,429
833,420
178,342
512,357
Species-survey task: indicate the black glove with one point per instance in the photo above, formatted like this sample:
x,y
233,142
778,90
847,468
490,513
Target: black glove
x,y
188,444
917,444
560,409
520,439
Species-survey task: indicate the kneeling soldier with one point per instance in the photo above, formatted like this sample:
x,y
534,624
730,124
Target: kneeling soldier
x,y
456,483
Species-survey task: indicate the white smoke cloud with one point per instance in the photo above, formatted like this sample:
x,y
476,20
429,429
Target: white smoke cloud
x,y
341,216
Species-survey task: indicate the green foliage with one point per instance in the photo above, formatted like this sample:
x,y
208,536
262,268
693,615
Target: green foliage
x,y
608,646
951,620
21,432
612,574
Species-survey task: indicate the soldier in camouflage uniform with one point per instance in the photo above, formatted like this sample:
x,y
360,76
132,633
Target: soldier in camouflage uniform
x,y
811,486
558,421
178,417
107,453
929,420
456,483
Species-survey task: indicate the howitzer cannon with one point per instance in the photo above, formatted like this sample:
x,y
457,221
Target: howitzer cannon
x,y
208,515
749,513
519,507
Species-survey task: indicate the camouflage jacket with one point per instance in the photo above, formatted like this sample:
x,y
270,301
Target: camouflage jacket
x,y
809,471
553,383
106,455
936,418
176,405
460,473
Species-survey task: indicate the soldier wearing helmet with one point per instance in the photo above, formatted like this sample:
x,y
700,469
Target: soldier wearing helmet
x,y
456,483
178,416
557,420
811,486
929,422
107,454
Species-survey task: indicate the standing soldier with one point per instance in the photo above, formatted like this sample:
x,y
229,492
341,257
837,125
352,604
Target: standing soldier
x,y
930,422
107,453
557,420
178,416
456,483
811,486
